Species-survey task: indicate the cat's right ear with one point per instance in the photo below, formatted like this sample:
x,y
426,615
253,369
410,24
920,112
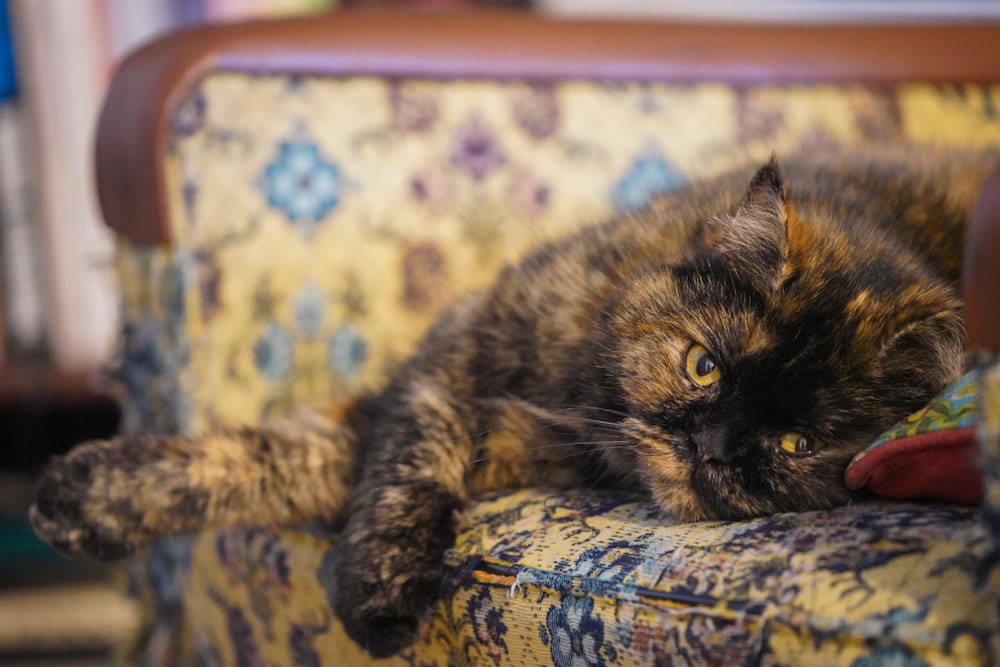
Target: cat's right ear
x,y
754,240
766,196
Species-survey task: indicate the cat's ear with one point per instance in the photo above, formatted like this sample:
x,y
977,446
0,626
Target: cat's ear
x,y
754,240
766,200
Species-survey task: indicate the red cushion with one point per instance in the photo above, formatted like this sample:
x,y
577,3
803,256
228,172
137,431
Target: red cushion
x,y
933,454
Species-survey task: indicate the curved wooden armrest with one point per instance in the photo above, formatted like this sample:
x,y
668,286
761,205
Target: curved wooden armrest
x,y
981,275
132,130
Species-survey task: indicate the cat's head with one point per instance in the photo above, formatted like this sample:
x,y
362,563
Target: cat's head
x,y
756,368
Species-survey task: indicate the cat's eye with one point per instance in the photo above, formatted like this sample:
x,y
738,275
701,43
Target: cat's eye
x,y
702,367
797,444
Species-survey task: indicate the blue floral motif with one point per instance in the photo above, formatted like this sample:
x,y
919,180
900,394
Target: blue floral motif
x,y
609,562
169,566
302,647
347,351
649,177
190,189
890,656
302,184
151,359
179,278
273,352
274,559
309,306
231,550
246,649
205,652
326,573
488,626
142,346
575,637
189,116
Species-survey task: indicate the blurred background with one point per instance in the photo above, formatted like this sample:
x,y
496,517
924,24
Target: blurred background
x,y
58,301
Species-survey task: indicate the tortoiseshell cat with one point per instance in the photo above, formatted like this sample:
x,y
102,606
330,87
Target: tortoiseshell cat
x,y
729,350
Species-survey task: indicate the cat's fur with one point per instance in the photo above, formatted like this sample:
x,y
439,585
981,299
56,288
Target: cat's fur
x,y
828,303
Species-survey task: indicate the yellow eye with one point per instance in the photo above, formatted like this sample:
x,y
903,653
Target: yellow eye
x,y
797,444
702,367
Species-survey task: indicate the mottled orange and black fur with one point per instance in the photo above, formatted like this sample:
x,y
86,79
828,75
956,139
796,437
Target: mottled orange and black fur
x,y
728,350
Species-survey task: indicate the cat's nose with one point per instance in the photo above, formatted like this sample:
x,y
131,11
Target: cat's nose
x,y
711,444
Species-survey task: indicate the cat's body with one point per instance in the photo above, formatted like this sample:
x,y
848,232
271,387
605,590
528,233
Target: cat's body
x,y
728,350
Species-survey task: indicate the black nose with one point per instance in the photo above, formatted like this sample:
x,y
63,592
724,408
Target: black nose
x,y
712,444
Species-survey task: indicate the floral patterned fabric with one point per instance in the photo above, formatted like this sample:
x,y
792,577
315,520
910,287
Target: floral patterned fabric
x,y
954,408
540,577
319,226
933,453
988,362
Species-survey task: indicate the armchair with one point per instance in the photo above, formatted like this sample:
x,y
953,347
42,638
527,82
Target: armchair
x,y
296,200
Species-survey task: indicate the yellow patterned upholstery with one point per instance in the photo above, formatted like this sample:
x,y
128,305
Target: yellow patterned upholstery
x,y
320,223
433,187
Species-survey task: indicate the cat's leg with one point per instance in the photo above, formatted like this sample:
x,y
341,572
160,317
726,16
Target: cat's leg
x,y
403,517
432,449
107,498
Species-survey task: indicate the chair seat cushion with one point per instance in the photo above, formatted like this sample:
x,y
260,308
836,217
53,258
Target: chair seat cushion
x,y
598,578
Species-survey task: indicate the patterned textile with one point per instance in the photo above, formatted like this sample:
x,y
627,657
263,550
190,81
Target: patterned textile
x,y
320,224
549,578
933,453
954,408
989,437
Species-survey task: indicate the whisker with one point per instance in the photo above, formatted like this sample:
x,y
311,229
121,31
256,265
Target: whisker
x,y
551,445
484,432
568,408
611,426
596,422
565,408
588,451
604,427
576,443
588,447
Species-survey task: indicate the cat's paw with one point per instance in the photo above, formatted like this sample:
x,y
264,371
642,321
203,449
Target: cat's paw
x,y
71,511
383,616
393,567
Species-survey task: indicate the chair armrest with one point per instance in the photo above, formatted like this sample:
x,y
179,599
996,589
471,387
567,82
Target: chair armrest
x,y
133,126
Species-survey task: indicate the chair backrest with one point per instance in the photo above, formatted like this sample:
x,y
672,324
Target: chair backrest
x,y
297,200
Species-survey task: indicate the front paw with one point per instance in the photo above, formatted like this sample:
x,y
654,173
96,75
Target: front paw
x,y
393,565
70,511
383,615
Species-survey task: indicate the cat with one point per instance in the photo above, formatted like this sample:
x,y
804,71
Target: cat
x,y
728,351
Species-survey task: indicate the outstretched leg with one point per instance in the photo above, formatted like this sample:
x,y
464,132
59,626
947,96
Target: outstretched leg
x,y
431,449
107,498
402,519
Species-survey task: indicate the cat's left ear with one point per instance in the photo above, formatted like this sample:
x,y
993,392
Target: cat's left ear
x,y
755,240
